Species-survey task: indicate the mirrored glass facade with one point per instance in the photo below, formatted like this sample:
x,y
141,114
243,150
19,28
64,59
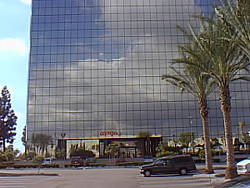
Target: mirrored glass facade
x,y
95,68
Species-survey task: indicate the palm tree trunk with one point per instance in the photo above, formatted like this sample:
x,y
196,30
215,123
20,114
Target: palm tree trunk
x,y
4,147
206,134
226,109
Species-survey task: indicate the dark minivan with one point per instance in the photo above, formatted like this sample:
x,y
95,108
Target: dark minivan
x,y
181,164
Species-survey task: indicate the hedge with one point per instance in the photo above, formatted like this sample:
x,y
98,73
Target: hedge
x,y
12,165
89,165
132,163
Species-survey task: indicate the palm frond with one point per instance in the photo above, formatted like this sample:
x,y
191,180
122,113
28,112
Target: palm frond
x,y
245,78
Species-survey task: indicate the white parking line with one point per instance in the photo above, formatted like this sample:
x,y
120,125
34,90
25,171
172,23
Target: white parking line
x,y
15,183
12,186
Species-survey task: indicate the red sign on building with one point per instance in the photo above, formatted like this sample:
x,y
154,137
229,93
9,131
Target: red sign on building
x,y
109,133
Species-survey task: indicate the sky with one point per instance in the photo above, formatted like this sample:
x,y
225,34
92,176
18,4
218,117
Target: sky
x,y
14,56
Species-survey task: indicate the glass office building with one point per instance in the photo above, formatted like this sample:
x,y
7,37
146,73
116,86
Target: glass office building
x,y
95,67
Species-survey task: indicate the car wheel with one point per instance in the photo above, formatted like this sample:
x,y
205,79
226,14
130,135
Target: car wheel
x,y
147,173
183,171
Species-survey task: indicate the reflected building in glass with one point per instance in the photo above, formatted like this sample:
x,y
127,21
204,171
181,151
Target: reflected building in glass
x,y
95,67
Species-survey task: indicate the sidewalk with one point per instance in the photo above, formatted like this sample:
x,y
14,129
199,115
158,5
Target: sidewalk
x,y
217,179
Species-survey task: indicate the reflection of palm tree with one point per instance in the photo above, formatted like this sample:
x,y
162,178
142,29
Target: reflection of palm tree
x,y
242,125
192,80
244,136
175,141
186,139
140,148
112,150
214,142
41,142
146,145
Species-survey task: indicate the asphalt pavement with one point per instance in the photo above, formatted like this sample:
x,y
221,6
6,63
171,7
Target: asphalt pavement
x,y
104,178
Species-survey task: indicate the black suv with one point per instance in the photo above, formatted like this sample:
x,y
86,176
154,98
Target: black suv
x,y
181,164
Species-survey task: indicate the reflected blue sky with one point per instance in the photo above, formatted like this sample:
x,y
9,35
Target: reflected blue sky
x,y
106,31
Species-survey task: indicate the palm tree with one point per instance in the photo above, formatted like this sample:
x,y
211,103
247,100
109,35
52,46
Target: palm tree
x,y
192,80
238,18
227,61
112,150
41,142
145,144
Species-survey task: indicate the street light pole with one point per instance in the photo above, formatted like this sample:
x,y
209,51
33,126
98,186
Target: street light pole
x,y
190,123
191,132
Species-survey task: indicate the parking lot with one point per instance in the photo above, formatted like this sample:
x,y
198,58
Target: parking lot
x,y
104,178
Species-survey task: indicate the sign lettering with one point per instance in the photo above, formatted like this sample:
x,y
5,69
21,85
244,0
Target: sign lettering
x,y
110,133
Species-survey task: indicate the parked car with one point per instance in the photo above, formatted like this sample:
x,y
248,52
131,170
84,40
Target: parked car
x,y
91,160
243,167
181,164
148,159
77,160
47,160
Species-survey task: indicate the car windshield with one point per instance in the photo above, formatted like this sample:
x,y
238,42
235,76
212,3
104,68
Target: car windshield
x,y
76,157
159,161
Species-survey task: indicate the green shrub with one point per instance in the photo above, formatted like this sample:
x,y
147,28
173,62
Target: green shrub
x,y
88,164
166,153
2,156
6,156
3,165
6,164
164,149
9,155
133,163
216,160
96,164
30,155
202,154
199,160
38,159
71,165
35,165
30,165
25,165
50,165
60,153
80,150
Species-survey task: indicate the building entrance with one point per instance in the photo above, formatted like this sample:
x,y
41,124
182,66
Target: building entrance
x,y
128,147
